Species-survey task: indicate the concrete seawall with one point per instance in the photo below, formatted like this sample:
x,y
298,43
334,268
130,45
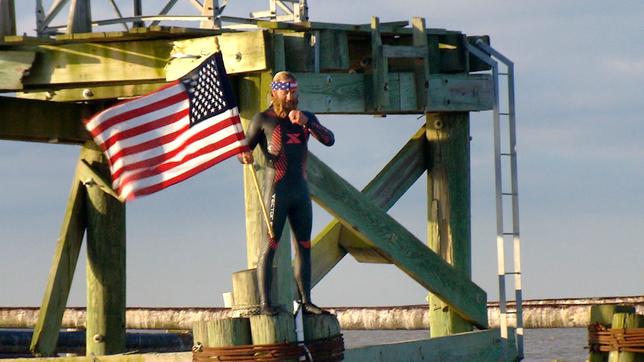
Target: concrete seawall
x,y
544,313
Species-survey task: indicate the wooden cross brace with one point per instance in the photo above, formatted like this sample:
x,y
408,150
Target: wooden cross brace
x,y
362,223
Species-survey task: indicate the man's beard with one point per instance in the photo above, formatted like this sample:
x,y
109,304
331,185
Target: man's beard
x,y
283,107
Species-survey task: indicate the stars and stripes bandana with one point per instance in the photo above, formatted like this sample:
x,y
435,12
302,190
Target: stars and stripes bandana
x,y
283,85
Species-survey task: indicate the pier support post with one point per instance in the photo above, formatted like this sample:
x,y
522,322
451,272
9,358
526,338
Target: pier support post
x,y
105,262
279,328
7,18
626,320
320,326
245,291
448,197
222,332
603,314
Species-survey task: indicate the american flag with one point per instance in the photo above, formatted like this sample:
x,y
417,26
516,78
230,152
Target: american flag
x,y
171,134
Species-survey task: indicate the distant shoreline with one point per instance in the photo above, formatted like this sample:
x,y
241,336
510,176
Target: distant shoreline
x,y
537,313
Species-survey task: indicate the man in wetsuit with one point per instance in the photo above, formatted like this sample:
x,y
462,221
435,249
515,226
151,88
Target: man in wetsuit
x,y
282,131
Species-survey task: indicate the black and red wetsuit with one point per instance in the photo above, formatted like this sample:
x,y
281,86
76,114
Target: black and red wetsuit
x,y
286,191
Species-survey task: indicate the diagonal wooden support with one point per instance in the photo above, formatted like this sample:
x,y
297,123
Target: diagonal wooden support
x,y
397,244
45,335
92,206
329,246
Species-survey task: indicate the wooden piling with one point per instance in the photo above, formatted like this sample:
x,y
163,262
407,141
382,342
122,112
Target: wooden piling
x,y
105,262
448,195
320,326
246,293
279,328
603,314
222,332
626,320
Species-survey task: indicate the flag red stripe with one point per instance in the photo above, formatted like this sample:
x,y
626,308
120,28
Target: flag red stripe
x,y
157,142
153,161
193,171
125,103
122,117
144,128
161,168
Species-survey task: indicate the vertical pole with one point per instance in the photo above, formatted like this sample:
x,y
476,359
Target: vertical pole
x,y
380,65
206,10
80,17
254,97
448,192
211,9
138,11
40,17
105,263
7,18
625,320
421,67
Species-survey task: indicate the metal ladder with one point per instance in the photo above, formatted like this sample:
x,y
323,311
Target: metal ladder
x,y
490,56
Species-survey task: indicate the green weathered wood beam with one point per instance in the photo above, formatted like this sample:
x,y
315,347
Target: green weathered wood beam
x,y
90,177
421,67
93,93
88,64
332,93
393,27
460,93
480,346
380,64
336,93
81,64
40,121
448,208
387,187
13,64
59,283
397,244
334,50
401,51
242,52
105,323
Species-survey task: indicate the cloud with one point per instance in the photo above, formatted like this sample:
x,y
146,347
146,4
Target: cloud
x,y
623,67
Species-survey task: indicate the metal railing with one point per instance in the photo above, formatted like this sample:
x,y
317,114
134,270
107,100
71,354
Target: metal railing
x,y
210,15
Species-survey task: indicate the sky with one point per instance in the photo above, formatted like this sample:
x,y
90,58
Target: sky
x,y
579,70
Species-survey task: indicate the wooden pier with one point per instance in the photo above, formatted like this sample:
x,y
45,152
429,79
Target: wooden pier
x,y
377,68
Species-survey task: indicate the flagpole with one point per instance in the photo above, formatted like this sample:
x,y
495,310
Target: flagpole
x,y
261,201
